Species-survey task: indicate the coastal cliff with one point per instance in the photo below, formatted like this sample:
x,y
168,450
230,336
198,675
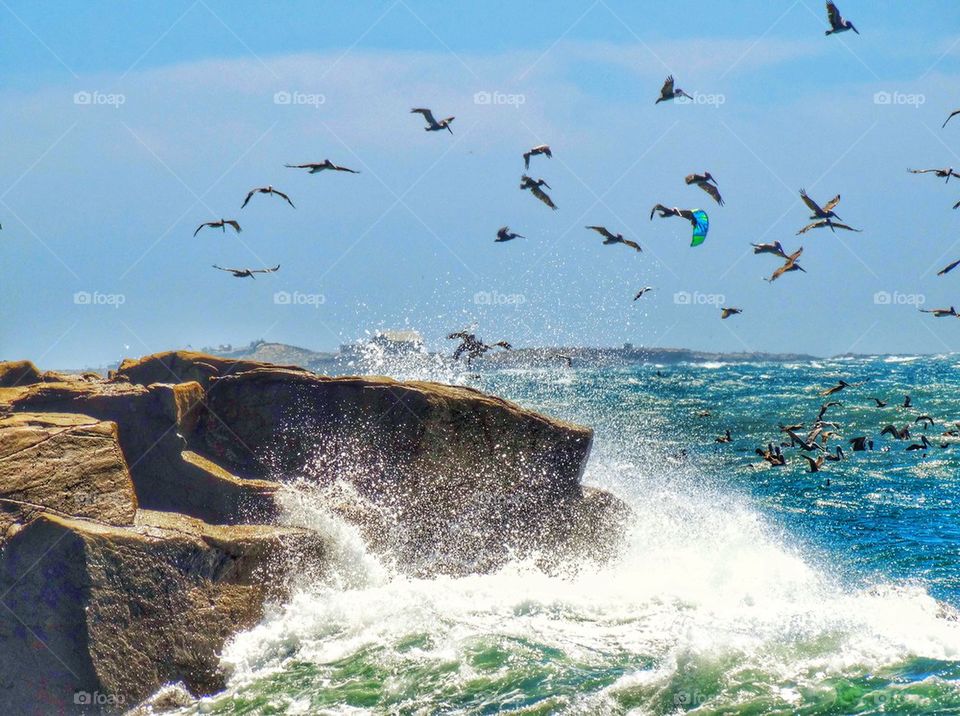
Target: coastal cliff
x,y
141,524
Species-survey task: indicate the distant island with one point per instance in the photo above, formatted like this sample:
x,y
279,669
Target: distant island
x,y
367,355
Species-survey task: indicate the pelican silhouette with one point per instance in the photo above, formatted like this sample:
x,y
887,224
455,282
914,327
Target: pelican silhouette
x,y
543,149
668,91
940,313
815,465
504,234
823,216
266,190
790,265
922,445
704,182
325,164
610,238
837,22
432,124
473,346
880,403
221,224
534,186
245,272
940,173
775,248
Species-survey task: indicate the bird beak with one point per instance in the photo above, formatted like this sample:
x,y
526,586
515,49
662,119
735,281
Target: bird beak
x,y
854,29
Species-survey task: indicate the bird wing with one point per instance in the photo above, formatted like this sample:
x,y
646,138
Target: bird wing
x,y
526,158
795,255
659,207
247,200
833,15
301,166
951,116
947,269
338,168
284,196
231,270
266,270
427,115
504,344
667,89
206,223
632,244
541,195
235,224
844,226
812,225
603,231
830,205
712,191
686,214
814,207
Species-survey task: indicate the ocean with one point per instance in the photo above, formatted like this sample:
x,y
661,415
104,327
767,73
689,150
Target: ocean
x,y
738,590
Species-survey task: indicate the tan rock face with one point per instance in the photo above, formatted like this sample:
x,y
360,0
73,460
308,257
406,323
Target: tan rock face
x,y
17,373
67,463
119,611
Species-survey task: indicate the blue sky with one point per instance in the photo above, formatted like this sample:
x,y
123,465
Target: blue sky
x,y
101,198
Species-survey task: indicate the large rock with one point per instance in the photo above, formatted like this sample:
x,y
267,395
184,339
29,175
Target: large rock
x,y
155,423
106,615
468,477
67,463
17,373
182,366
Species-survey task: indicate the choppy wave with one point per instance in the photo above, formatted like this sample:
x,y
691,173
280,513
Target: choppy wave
x,y
720,601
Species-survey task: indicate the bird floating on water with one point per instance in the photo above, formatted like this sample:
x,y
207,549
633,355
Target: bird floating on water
x,y
704,182
221,224
534,186
668,91
432,124
543,149
504,234
837,21
611,238
325,164
266,190
245,272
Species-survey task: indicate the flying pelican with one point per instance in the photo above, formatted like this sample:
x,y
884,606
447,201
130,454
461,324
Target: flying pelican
x,y
703,181
266,190
245,273
609,238
815,465
941,173
837,22
775,248
953,114
790,265
822,216
880,403
668,92
642,291
927,421
940,313
725,313
947,269
841,384
325,164
222,224
820,223
534,186
473,346
504,234
543,149
825,407
432,124
895,433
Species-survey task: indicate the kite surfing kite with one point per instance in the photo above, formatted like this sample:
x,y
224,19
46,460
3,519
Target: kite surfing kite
x,y
697,217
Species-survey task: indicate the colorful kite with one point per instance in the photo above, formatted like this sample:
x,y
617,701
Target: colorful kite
x,y
701,224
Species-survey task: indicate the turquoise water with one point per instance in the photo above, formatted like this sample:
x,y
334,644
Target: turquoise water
x,y
739,590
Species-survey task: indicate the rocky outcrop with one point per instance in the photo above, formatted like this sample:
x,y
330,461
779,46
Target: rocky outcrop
x,y
141,516
105,615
